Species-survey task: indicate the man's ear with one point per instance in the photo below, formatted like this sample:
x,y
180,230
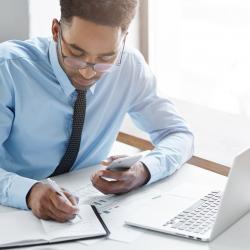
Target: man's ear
x,y
55,30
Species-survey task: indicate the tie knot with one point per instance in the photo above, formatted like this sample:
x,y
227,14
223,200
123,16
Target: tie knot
x,y
81,92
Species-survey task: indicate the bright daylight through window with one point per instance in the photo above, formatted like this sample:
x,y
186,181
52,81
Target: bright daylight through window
x,y
200,52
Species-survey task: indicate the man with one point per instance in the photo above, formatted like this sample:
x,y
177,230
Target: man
x,y
63,100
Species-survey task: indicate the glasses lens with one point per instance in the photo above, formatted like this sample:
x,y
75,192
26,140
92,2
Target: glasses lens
x,y
75,63
103,67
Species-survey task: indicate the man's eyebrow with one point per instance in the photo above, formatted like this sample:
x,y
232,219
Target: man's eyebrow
x,y
74,46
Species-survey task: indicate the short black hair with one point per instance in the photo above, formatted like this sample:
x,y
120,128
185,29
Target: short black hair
x,y
114,13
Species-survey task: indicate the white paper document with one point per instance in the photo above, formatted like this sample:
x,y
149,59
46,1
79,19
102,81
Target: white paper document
x,y
115,208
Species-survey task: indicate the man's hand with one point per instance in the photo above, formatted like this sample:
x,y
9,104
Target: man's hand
x,y
47,204
109,160
124,181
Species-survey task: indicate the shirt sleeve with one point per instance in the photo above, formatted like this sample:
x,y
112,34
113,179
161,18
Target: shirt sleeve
x,y
157,116
13,188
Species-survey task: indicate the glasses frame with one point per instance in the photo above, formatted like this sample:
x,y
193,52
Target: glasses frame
x,y
91,65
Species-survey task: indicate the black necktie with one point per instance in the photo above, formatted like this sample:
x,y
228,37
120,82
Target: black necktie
x,y
71,153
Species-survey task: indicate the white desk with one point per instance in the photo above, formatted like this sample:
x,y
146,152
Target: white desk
x,y
234,238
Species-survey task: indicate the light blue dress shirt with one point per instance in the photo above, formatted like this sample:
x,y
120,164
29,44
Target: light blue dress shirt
x,y
36,107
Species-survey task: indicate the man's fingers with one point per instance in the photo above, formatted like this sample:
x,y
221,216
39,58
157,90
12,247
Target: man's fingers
x,y
109,187
116,175
45,211
48,204
61,204
48,211
106,162
72,198
58,215
121,181
112,158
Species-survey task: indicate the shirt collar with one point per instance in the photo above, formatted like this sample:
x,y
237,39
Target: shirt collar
x,y
61,76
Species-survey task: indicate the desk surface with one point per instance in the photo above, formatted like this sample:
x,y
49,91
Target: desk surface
x,y
151,240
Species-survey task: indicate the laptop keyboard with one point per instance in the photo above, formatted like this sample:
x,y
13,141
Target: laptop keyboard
x,y
200,217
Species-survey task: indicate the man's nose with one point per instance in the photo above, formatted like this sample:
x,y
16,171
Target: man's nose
x,y
87,72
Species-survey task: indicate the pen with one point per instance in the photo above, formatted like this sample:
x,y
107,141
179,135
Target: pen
x,y
55,186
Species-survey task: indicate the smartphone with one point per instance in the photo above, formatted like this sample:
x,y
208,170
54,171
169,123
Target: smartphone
x,y
126,162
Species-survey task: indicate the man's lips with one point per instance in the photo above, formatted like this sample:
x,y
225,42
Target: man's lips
x,y
80,80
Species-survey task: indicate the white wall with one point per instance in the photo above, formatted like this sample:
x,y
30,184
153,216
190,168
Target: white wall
x,y
23,19
42,13
14,19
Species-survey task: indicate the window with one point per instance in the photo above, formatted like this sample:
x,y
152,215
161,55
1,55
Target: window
x,y
200,51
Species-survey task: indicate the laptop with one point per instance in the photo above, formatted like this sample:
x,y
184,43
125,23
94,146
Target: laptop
x,y
203,219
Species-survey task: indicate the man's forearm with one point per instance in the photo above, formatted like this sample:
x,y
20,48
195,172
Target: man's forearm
x,y
169,155
14,189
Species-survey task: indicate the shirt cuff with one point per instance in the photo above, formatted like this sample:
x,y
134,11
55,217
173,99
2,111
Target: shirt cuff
x,y
18,191
154,167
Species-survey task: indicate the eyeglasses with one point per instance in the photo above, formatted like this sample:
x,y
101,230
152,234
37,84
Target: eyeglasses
x,y
77,63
